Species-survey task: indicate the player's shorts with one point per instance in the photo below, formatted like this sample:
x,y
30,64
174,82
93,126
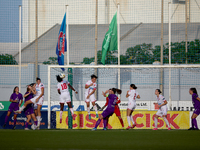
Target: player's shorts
x,y
131,105
117,111
65,97
107,113
28,111
33,100
90,99
162,111
13,107
196,111
40,101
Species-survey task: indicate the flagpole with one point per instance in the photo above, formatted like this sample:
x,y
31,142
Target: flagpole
x,y
170,99
67,34
118,41
20,65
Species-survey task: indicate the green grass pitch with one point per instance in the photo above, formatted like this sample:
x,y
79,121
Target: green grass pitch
x,y
102,140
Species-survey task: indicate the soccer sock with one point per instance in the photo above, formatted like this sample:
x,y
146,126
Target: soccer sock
x,y
35,122
21,108
195,123
131,117
26,124
38,119
166,121
61,112
192,123
88,110
155,122
32,121
72,112
105,122
6,119
129,120
97,123
121,121
15,120
95,108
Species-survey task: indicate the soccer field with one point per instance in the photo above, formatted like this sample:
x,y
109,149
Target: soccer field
x,y
110,139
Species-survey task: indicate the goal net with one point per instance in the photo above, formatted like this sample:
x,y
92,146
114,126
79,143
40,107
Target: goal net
x,y
174,81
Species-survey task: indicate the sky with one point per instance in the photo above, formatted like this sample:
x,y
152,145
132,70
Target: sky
x,y
9,21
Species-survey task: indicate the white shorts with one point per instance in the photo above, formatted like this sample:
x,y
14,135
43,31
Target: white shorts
x,y
90,99
65,97
131,105
162,111
33,100
40,101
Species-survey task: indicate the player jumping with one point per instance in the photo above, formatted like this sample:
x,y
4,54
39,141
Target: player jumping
x,y
90,87
162,112
64,95
29,112
132,94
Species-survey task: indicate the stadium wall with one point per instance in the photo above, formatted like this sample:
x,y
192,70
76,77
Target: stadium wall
x,y
51,12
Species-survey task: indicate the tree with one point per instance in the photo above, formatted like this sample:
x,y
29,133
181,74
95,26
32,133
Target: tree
x,y
52,60
146,54
7,59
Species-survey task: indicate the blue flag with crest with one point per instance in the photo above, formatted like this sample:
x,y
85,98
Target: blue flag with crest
x,y
62,43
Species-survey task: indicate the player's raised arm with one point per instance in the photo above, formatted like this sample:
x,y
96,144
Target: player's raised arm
x,y
72,88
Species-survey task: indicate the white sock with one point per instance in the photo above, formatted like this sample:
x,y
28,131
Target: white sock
x,y
166,121
95,108
131,117
72,112
88,110
32,121
129,120
38,119
21,108
155,122
61,112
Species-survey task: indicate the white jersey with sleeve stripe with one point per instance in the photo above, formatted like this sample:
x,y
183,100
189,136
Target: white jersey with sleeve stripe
x,y
39,89
132,95
91,88
62,86
160,99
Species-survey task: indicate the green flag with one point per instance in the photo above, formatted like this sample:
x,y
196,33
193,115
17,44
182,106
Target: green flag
x,y
110,39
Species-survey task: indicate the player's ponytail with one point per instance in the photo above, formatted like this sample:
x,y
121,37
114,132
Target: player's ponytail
x,y
116,90
194,90
159,91
59,79
133,86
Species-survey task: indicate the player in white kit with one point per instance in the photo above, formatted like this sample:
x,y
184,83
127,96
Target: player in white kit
x,y
64,94
38,105
132,94
162,112
90,87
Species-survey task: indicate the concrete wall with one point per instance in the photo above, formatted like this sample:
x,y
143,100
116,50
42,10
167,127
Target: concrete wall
x,y
51,12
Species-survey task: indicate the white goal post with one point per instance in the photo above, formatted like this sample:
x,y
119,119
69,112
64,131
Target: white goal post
x,y
149,68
